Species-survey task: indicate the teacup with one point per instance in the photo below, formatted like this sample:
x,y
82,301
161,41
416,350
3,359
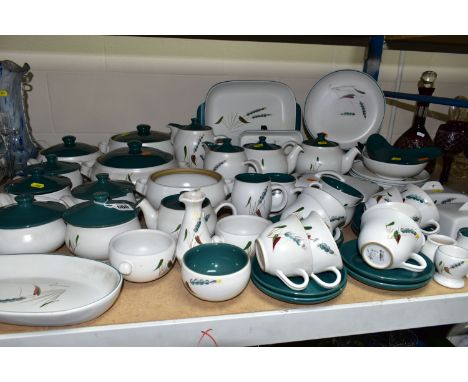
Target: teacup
x,y
451,263
304,205
252,194
462,237
289,183
421,200
388,195
433,242
389,240
241,231
325,253
142,255
344,193
283,250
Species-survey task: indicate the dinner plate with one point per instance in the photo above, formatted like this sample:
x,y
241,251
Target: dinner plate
x,y
296,300
358,169
387,286
233,107
354,262
313,290
348,105
55,290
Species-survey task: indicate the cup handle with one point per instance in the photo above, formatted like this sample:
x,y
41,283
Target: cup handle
x,y
435,230
140,185
330,173
104,147
217,239
328,285
87,168
292,285
284,199
125,268
415,268
336,233
226,204
254,164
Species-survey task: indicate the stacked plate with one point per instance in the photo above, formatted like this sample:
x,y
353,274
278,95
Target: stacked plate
x,y
313,294
358,170
389,279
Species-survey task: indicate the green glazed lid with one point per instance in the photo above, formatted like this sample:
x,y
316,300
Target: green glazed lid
x,y
38,184
135,156
320,141
100,212
70,148
172,202
115,188
29,213
226,147
142,134
194,126
53,166
262,144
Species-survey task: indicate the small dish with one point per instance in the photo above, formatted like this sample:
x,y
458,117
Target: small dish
x,y
392,171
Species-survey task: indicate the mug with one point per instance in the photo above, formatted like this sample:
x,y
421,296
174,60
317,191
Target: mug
x,y
241,231
389,240
289,183
435,241
421,200
325,253
451,264
252,194
283,250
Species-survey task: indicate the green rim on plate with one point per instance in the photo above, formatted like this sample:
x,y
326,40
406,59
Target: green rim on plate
x,y
297,300
354,262
387,286
313,290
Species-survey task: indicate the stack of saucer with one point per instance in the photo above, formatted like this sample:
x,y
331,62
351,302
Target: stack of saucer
x,y
312,294
389,279
360,171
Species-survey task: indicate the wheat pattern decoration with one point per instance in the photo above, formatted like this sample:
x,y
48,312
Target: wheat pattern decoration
x,y
233,121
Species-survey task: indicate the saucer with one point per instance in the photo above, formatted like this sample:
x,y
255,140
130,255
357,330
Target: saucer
x,y
354,262
386,286
297,300
313,290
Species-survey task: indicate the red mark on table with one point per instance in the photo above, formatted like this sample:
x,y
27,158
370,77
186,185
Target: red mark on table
x,y
207,334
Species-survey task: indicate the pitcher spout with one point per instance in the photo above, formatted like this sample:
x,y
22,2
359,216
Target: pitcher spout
x,y
348,159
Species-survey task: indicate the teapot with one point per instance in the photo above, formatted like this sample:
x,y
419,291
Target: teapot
x,y
227,159
187,142
272,157
320,154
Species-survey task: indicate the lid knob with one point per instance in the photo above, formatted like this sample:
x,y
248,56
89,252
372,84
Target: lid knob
x,y
51,163
143,130
321,136
102,177
24,200
226,141
37,172
69,140
262,139
100,197
134,147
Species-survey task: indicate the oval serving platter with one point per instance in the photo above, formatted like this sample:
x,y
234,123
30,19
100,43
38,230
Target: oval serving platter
x,y
55,290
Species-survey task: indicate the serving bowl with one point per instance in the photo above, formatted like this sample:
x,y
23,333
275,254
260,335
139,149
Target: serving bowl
x,y
215,272
392,170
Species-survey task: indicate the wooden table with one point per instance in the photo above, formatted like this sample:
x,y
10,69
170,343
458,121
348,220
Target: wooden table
x,y
163,313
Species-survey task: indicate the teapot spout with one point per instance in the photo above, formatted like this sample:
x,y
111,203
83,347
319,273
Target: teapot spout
x,y
207,146
291,158
348,159
149,213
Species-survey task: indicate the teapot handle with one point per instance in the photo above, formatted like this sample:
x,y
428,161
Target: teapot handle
x,y
255,164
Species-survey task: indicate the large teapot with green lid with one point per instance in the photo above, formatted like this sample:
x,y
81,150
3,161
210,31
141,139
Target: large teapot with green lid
x,y
321,154
187,141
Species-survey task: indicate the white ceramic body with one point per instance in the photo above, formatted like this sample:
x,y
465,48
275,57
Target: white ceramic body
x,y
435,241
315,158
142,255
415,196
254,198
392,170
111,145
283,250
451,264
391,194
75,177
188,148
229,164
164,183
241,231
43,238
129,174
216,288
462,240
453,217
88,158
325,253
345,198
276,160
388,242
93,243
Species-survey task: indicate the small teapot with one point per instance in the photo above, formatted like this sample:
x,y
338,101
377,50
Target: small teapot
x,y
272,157
227,159
320,155
187,141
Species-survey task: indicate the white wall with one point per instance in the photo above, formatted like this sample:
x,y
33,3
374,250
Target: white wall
x,y
94,86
